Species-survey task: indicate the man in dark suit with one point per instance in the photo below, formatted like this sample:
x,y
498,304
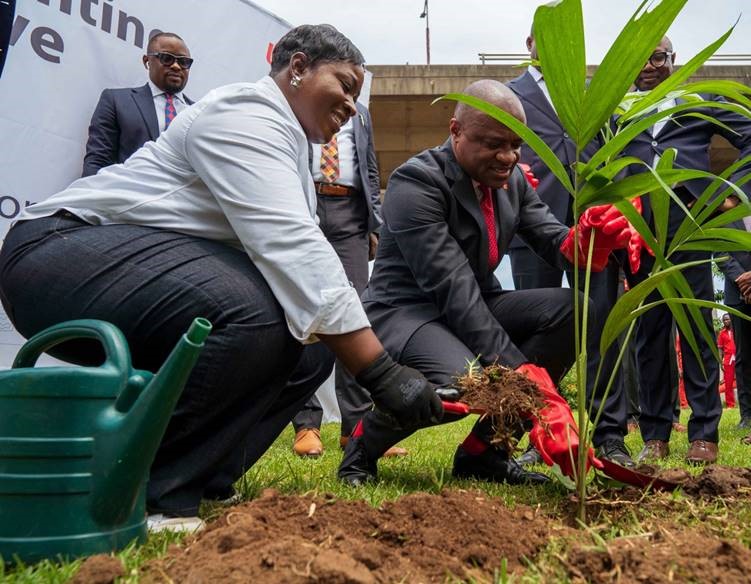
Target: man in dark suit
x,y
691,137
433,300
125,119
530,271
345,172
737,271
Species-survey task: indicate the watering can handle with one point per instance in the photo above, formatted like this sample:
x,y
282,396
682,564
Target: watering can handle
x,y
113,341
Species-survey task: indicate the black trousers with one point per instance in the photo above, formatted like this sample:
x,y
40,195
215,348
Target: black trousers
x,y
653,339
539,322
344,222
151,284
531,272
742,333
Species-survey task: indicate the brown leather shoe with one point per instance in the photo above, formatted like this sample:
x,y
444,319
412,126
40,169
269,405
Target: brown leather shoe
x,y
653,450
393,451
702,452
308,442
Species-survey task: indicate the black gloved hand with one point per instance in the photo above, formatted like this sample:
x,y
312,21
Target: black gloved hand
x,y
401,392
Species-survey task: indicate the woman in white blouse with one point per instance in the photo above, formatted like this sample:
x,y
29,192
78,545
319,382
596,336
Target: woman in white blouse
x,y
217,219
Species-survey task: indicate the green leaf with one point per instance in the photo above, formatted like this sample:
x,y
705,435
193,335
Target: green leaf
x,y
623,62
559,36
533,141
717,239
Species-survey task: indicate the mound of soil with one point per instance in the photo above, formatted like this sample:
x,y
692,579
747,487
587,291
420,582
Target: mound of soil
x,y
99,569
720,481
662,557
419,538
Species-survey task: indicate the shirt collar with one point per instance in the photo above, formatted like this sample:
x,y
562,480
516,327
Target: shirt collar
x,y
156,91
535,73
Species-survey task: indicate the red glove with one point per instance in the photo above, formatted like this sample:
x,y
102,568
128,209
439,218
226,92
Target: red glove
x,y
529,175
636,243
613,232
554,433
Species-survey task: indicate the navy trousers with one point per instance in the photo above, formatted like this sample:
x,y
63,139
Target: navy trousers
x,y
251,377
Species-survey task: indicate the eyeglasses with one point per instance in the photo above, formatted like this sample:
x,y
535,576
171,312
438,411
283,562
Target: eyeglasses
x,y
659,58
168,59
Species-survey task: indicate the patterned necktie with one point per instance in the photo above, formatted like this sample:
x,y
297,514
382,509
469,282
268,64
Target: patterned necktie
x,y
330,161
486,205
169,110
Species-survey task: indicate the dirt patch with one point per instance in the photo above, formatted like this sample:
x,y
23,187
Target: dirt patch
x,y
671,475
419,538
507,398
99,569
720,481
662,557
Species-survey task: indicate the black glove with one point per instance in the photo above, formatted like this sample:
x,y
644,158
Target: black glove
x,y
401,392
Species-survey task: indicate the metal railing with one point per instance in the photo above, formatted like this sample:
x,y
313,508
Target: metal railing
x,y
516,58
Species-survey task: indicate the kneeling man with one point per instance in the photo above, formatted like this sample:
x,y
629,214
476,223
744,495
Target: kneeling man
x,y
433,300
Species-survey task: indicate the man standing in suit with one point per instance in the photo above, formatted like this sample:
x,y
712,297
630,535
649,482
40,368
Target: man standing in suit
x,y
125,119
435,303
345,172
737,271
530,271
691,137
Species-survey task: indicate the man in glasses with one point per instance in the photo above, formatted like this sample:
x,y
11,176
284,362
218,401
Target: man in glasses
x,y
690,135
125,119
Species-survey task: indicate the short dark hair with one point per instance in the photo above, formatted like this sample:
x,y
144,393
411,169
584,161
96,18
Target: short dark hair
x,y
319,42
160,35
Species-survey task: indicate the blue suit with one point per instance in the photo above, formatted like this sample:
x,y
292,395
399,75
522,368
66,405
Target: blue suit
x,y
123,121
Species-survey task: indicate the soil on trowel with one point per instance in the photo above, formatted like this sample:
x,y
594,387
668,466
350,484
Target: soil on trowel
x,y
507,397
99,569
671,475
418,538
660,557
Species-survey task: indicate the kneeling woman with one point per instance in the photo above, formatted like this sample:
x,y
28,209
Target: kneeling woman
x,y
217,219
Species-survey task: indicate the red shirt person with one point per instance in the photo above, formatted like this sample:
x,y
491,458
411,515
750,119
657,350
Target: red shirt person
x,y
726,344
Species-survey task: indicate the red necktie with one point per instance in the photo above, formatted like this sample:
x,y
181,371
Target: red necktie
x,y
169,110
486,205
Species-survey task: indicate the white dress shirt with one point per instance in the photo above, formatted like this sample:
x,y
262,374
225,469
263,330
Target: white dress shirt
x,y
160,101
540,80
232,168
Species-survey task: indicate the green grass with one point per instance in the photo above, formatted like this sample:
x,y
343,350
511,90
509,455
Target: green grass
x,y
428,469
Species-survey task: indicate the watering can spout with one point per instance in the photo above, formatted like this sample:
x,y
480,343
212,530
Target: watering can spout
x,y
133,427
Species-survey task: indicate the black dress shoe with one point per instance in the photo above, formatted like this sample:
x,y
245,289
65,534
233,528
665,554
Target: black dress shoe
x,y
357,468
493,466
529,457
615,451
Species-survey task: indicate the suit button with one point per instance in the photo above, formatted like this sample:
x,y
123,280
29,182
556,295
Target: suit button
x,y
654,143
565,135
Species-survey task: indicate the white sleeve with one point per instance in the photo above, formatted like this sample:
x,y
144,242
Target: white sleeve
x,y
248,155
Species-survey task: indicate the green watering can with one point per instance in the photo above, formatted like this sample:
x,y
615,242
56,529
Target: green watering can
x,y
76,443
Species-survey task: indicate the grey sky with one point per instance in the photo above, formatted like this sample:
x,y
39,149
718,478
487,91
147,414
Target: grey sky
x,y
391,32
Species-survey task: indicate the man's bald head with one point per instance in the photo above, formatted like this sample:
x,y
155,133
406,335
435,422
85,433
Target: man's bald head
x,y
487,150
495,93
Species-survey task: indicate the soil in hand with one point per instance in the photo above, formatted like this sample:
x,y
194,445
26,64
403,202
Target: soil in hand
x,y
419,538
507,397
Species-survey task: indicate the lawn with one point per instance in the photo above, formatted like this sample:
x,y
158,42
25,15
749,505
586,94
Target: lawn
x,y
428,469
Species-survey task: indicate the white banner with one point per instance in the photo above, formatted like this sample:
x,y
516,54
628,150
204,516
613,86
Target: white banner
x,y
63,53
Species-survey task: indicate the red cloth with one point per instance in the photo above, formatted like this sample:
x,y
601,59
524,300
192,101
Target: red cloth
x,y
486,206
726,343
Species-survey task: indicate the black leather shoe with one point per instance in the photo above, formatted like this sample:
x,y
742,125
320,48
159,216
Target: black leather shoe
x,y
357,468
615,451
493,466
529,457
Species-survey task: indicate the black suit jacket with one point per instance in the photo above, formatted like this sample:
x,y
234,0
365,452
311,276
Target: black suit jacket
x,y
691,136
123,121
738,263
542,119
367,165
432,259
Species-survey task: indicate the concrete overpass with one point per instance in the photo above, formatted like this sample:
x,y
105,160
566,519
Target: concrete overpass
x,y
405,123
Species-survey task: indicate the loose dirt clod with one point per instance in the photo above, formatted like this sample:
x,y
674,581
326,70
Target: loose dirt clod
x,y
507,397
419,538
99,569
720,481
